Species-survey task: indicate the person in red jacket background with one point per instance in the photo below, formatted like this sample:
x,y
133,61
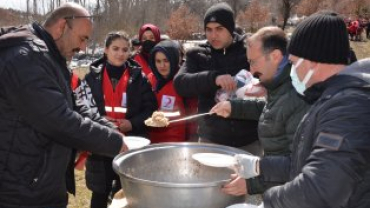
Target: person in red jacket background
x,y
164,61
149,36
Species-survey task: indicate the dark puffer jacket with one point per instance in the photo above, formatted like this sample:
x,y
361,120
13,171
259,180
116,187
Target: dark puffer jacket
x,y
38,127
278,116
141,103
330,164
197,78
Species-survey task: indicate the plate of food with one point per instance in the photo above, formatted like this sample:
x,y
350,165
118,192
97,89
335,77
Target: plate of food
x,y
158,119
136,142
215,159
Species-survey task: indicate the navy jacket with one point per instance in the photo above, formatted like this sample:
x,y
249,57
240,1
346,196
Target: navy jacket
x,y
330,163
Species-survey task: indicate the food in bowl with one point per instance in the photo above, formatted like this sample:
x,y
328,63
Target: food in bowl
x,y
158,119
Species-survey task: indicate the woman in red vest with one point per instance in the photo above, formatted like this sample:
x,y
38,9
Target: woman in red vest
x,y
124,96
149,36
164,62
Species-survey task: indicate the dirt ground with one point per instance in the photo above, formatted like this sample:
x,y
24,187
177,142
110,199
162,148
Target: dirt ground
x,y
82,198
83,195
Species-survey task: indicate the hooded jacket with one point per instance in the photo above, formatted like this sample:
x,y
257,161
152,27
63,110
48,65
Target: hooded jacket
x,y
38,127
329,166
143,57
151,27
167,98
197,78
141,101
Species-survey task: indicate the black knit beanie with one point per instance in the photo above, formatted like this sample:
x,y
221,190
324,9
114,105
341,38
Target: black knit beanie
x,y
222,14
321,37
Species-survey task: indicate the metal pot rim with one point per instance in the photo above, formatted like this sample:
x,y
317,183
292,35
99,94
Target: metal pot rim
x,y
118,159
175,185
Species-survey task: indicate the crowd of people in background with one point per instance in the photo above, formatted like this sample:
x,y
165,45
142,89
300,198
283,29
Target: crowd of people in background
x,y
308,121
358,29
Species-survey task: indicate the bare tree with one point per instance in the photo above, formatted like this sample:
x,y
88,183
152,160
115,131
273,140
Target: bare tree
x,y
286,7
182,24
28,10
308,7
255,16
237,5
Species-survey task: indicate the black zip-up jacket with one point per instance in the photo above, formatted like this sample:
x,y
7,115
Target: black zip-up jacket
x,y
197,77
38,127
330,163
141,100
279,116
141,103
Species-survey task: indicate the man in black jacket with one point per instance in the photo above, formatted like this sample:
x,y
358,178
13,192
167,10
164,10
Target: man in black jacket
x,y
329,165
38,127
211,67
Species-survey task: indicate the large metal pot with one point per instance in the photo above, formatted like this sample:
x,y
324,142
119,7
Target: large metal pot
x,y
165,176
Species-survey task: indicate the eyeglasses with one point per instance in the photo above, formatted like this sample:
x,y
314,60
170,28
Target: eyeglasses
x,y
78,17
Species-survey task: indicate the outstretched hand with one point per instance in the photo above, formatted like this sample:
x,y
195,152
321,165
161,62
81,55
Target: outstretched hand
x,y
222,109
236,187
124,125
226,82
124,147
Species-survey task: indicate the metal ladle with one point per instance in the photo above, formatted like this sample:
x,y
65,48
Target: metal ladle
x,y
189,117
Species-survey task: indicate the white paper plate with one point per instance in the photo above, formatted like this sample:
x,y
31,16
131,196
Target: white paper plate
x,y
215,159
118,203
135,142
244,205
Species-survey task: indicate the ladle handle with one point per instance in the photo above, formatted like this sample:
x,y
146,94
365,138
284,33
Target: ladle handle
x,y
189,117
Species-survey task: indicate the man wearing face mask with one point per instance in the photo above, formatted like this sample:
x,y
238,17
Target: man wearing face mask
x,y
149,36
278,115
329,165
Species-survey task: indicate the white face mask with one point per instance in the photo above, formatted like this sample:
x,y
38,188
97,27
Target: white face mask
x,y
299,86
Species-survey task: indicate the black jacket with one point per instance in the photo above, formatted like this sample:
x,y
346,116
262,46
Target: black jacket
x,y
141,103
197,78
330,163
278,116
38,127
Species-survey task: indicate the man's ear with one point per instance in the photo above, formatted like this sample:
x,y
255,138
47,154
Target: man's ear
x,y
276,55
61,25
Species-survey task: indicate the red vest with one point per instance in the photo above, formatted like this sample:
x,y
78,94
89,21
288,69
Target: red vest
x,y
115,100
74,81
144,65
168,101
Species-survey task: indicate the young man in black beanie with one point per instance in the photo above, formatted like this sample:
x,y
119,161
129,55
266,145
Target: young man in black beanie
x,y
211,67
329,166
